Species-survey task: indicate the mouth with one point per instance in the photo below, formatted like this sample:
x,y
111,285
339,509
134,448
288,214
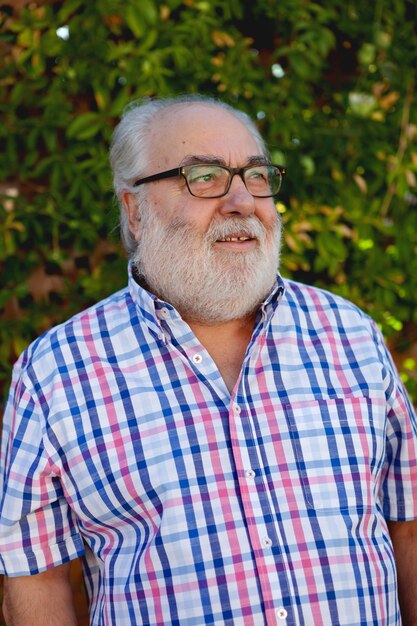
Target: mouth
x,y
237,243
234,239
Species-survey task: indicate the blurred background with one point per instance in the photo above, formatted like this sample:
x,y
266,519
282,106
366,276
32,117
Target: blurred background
x,y
330,84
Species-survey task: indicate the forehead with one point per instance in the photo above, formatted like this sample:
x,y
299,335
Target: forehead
x,y
199,129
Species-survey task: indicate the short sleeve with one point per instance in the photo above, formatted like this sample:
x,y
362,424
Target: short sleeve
x,y
38,529
399,484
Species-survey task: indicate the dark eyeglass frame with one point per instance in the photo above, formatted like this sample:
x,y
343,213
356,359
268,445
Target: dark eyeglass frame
x,y
233,171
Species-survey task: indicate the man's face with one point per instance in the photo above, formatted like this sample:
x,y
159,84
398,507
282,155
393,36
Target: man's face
x,y
214,259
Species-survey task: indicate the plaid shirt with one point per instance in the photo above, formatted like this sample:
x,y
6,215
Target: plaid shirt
x,y
192,506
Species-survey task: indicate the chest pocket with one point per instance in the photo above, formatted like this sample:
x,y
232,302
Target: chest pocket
x,y
338,446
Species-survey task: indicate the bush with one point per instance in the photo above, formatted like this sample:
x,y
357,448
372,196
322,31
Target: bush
x,y
332,88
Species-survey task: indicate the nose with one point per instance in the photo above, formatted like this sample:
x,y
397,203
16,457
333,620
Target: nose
x,y
238,200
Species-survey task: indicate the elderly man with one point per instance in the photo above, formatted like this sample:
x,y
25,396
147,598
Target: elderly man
x,y
220,446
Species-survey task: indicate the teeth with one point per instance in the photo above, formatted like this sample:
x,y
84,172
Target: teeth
x,y
235,239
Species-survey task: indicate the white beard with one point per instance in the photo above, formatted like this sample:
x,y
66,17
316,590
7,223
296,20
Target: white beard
x,y
206,284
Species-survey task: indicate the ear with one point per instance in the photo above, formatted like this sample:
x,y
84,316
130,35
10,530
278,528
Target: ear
x,y
131,206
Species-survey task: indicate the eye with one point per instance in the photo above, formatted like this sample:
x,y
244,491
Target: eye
x,y
203,178
203,173
257,174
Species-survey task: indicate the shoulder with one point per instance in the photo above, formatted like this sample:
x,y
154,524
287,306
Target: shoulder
x,y
312,298
84,328
317,307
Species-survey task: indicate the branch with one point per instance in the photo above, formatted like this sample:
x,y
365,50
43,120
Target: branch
x,y
402,145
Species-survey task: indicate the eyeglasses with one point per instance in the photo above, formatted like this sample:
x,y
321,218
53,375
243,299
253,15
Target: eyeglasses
x,y
213,181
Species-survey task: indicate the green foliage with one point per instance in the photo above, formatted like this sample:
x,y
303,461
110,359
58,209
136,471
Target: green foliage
x,y
331,86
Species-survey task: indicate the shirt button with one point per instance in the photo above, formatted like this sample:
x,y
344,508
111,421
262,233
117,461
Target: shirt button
x,y
281,613
266,542
236,409
197,358
250,474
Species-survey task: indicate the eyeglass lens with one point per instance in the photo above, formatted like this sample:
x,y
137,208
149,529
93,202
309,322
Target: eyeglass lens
x,y
207,181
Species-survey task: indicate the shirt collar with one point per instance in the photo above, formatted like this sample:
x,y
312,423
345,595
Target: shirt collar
x,y
153,310
275,295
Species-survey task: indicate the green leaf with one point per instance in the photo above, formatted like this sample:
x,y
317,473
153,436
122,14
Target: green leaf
x,y
149,10
85,126
68,8
135,20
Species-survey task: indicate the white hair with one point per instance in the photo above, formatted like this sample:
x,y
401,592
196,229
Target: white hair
x,y
129,147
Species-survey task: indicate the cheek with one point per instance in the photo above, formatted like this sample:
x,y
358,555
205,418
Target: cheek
x,y
167,202
184,209
268,215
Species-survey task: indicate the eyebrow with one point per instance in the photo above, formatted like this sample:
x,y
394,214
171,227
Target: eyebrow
x,y
193,159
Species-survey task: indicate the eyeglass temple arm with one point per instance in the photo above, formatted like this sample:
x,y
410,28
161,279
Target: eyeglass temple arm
x,y
177,171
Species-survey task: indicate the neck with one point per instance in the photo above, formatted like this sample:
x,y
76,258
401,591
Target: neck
x,y
225,328
227,344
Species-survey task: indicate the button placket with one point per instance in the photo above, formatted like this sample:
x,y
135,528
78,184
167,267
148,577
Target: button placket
x,y
264,535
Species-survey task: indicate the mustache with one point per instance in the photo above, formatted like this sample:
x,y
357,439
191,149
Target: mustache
x,y
219,228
